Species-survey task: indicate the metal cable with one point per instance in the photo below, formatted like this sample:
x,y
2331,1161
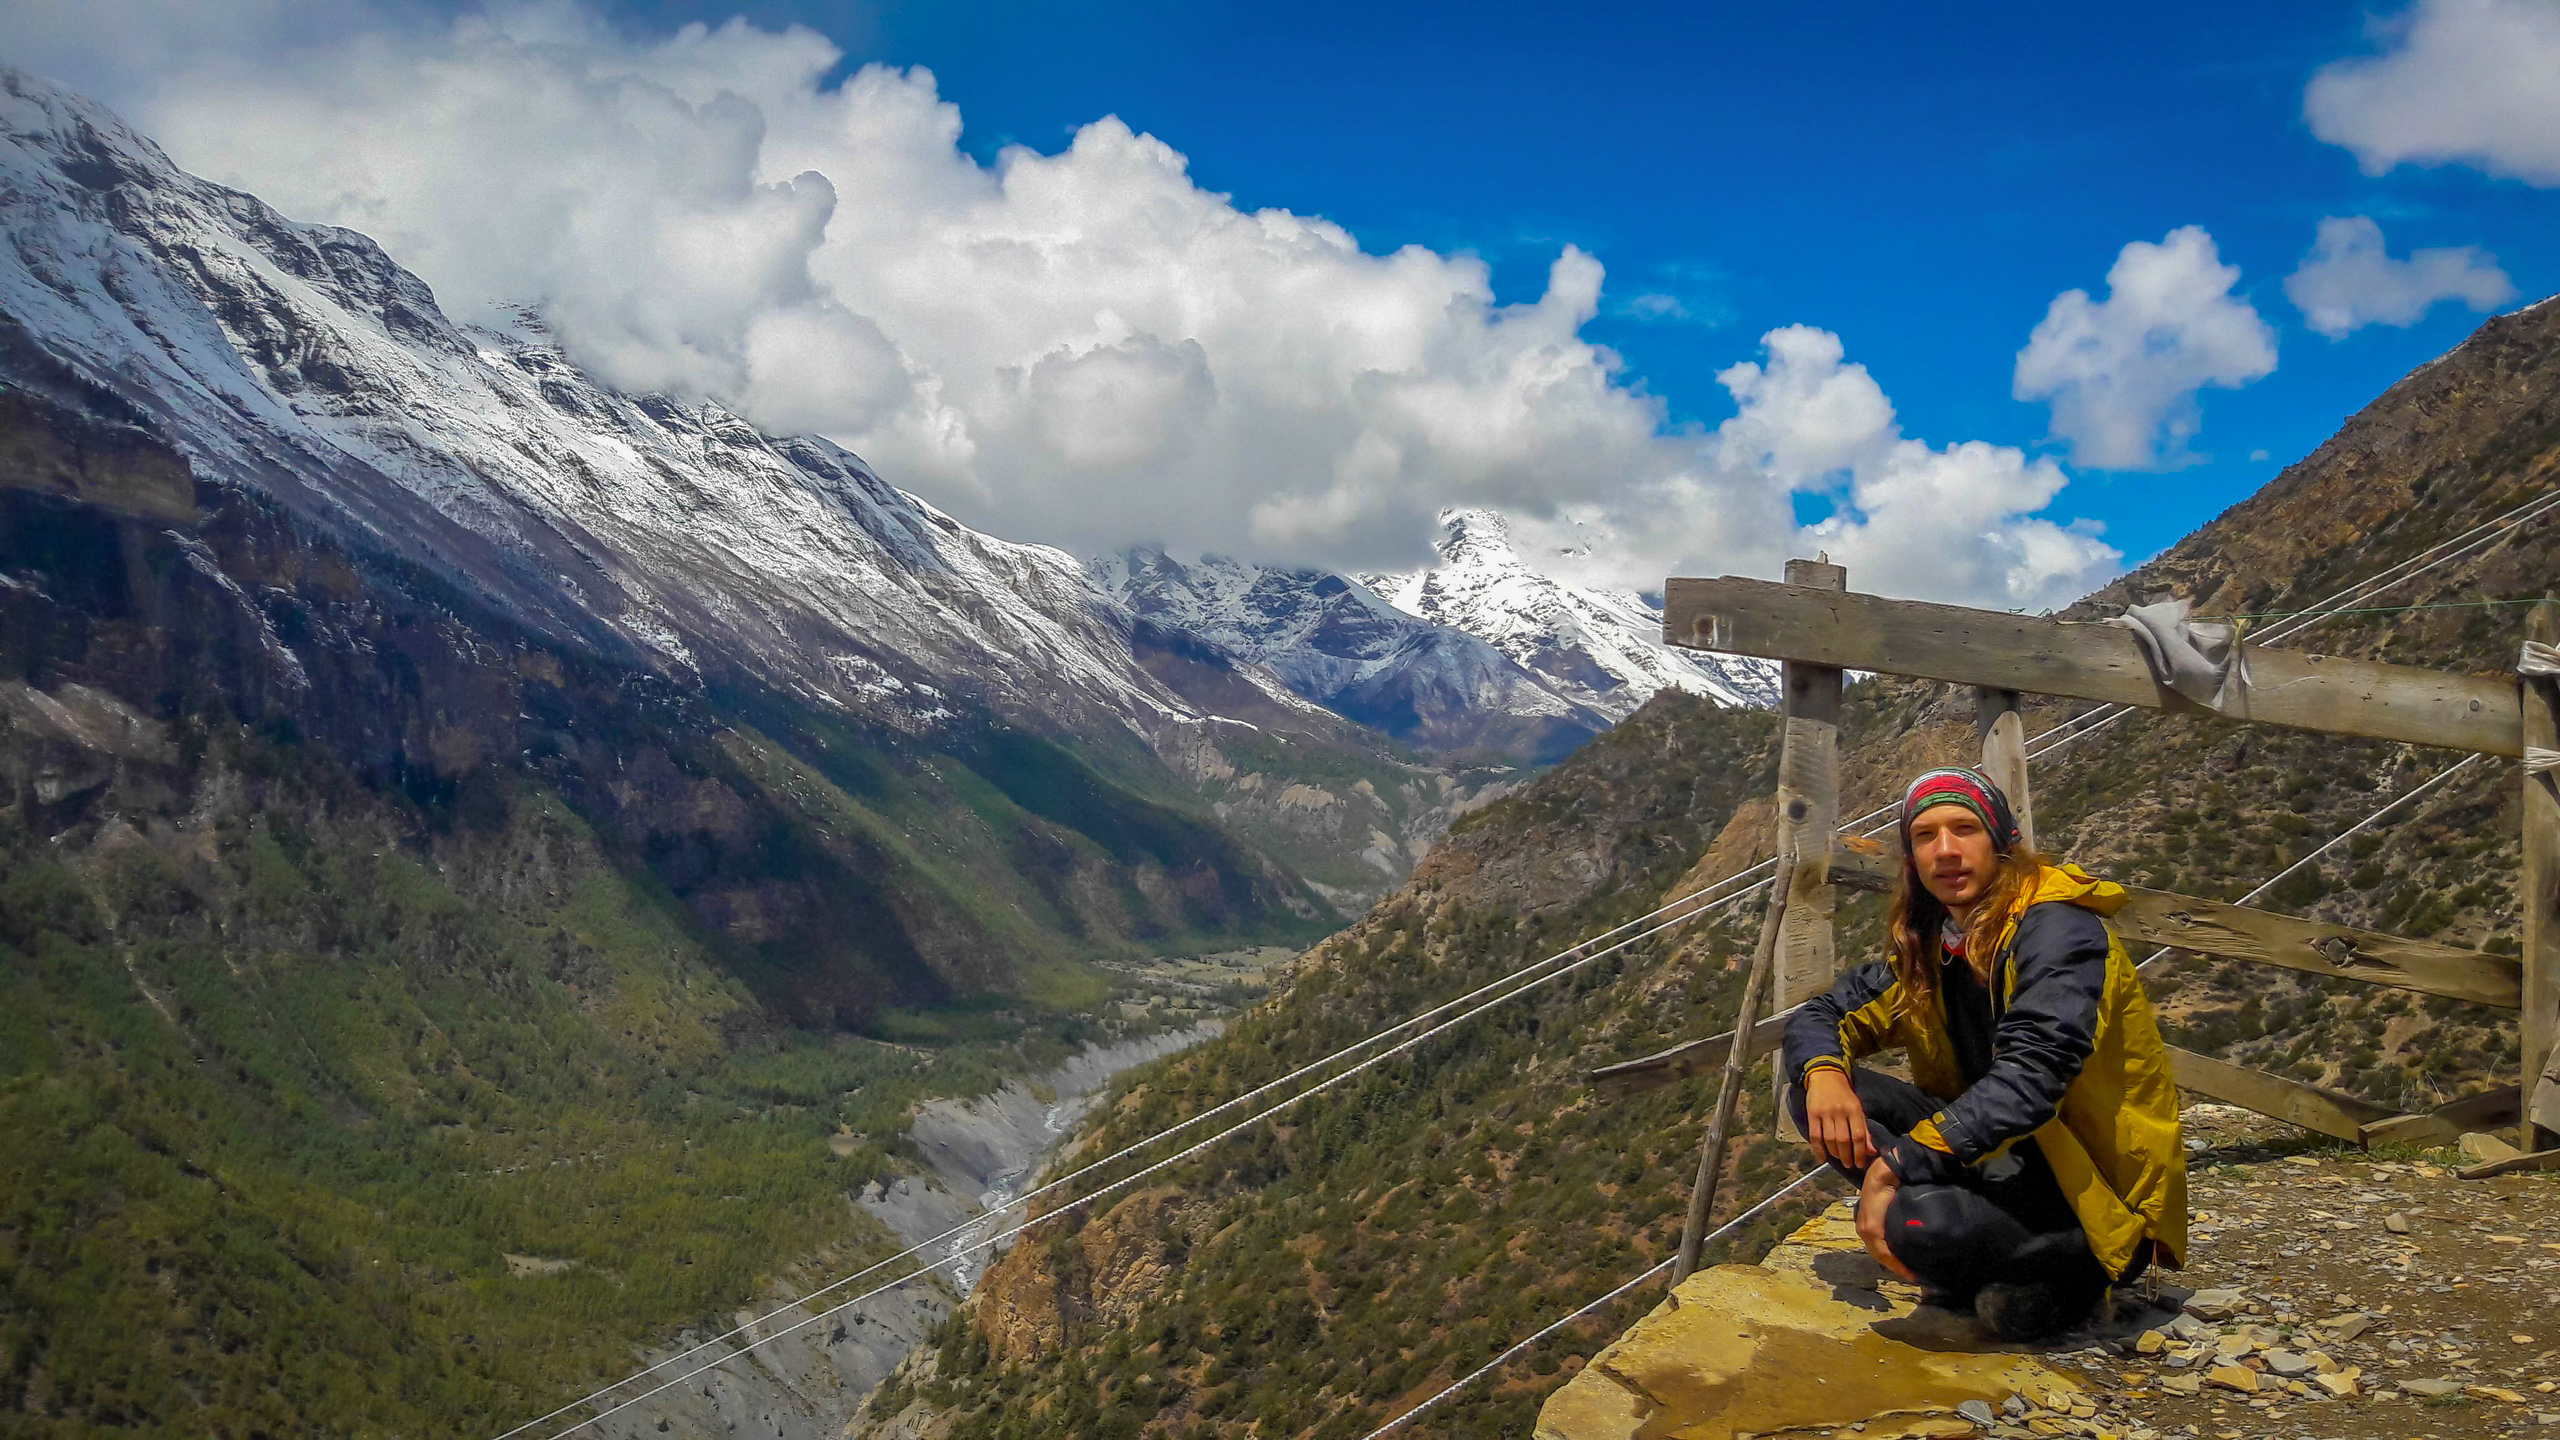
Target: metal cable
x,y
1703,900
2337,603
1498,1361
1122,1183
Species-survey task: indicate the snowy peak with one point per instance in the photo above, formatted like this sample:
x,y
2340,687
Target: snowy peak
x,y
1600,647
1334,642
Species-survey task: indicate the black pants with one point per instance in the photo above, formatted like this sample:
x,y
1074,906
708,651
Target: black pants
x,y
2017,1229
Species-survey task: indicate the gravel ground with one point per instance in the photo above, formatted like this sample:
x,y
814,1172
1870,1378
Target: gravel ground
x,y
2329,1293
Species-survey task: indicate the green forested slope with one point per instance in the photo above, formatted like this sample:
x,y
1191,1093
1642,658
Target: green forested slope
x,y
352,941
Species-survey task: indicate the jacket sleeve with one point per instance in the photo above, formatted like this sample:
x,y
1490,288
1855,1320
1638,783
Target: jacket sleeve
x,y
1850,1019
2037,1048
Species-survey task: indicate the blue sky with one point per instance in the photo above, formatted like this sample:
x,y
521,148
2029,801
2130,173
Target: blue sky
x,y
1840,245
1922,180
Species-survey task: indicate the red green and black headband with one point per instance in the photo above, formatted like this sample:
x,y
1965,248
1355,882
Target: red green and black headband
x,y
1966,787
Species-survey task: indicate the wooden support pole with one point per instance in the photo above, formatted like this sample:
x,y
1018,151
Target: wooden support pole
x,y
1809,805
2004,753
2539,884
1737,1064
1808,817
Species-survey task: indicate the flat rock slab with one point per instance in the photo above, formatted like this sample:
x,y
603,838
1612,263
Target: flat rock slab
x,y
1810,1339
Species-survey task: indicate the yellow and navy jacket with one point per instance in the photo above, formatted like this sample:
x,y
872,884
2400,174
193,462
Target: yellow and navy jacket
x,y
2074,1061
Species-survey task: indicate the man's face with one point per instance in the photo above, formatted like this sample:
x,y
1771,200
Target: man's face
x,y
1953,853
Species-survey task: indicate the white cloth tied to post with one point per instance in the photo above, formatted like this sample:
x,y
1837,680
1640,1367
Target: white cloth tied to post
x,y
2538,659
2204,663
2537,760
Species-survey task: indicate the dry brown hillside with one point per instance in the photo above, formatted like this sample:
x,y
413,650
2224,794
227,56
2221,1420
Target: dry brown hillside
x,y
1320,1274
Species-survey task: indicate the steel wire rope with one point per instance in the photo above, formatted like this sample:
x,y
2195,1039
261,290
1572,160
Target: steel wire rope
x,y
1498,1361
1123,1182
2339,602
1703,899
2394,803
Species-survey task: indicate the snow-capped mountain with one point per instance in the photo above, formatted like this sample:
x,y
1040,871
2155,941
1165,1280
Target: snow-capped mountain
x,y
1600,648
301,361
1333,641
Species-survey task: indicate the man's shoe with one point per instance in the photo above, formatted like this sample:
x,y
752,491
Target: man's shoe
x,y
2019,1314
1959,1301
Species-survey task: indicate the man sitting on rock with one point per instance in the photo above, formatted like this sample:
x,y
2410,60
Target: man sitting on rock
x,y
2036,1160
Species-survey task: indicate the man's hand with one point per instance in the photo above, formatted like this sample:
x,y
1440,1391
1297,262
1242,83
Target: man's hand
x,y
1834,1120
1875,1197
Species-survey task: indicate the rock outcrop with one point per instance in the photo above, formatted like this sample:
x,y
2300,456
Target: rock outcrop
x,y
1814,1338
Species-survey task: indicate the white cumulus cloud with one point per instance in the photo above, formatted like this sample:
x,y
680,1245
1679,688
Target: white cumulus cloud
x,y
2456,82
1082,347
2122,373
2349,280
1955,523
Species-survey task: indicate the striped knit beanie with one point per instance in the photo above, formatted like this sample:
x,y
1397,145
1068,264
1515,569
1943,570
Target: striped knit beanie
x,y
1966,787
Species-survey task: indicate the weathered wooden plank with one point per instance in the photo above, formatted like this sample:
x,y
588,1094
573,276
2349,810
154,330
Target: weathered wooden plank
x,y
2309,1106
2004,754
2511,1165
2448,1122
2239,932
1692,1057
2292,688
2538,888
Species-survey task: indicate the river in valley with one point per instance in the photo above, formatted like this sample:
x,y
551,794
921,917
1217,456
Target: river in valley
x,y
981,1156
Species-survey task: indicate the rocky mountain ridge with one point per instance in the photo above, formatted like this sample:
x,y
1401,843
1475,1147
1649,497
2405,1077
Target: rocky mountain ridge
x,y
1482,653
302,363
1601,645
1334,642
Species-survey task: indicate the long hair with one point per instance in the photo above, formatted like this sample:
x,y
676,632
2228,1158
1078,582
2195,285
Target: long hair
x,y
1914,919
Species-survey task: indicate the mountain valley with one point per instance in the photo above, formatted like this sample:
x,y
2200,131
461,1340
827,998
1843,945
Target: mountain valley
x,y
502,878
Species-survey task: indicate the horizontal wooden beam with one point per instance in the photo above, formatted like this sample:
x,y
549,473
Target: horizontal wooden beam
x,y
2447,1123
1694,1057
2238,932
2084,661
1863,870
2313,1108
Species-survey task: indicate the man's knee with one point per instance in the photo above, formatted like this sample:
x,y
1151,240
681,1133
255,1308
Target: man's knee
x,y
1949,1234
1922,1226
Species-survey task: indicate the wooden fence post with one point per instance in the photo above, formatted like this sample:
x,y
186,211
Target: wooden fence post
x,y
1737,1064
1809,807
1808,818
2004,753
2539,884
